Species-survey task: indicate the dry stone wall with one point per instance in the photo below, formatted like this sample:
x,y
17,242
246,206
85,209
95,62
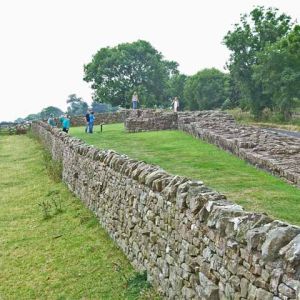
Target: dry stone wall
x,y
101,118
193,242
148,120
271,151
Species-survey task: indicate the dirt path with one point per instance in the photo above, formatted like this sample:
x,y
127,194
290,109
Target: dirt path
x,y
285,132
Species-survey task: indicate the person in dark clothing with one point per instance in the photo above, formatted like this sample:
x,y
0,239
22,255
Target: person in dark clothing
x,y
87,120
91,122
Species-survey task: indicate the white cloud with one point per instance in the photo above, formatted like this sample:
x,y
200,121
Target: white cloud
x,y
44,44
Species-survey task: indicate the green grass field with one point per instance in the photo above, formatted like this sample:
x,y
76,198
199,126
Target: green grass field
x,y
180,153
68,255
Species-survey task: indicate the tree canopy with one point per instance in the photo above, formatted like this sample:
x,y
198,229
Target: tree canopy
x,y
115,73
102,107
33,117
278,70
256,31
50,110
175,88
76,105
207,89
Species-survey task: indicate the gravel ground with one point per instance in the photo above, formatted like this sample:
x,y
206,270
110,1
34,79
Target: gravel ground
x,y
285,132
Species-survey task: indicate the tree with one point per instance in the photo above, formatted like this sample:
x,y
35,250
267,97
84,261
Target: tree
x,y
33,117
50,110
175,88
76,105
256,31
101,107
19,120
115,73
278,70
207,89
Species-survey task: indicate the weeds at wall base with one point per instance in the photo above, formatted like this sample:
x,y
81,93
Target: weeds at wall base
x,y
51,205
54,168
137,287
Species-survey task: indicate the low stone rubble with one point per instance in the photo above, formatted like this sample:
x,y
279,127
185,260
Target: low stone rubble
x,y
149,120
192,241
271,151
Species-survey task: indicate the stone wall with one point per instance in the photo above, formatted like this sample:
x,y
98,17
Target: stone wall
x,y
193,242
100,118
271,151
147,120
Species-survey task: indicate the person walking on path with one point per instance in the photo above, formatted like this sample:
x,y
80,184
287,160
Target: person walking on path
x,y
175,104
91,122
135,100
87,120
66,123
51,121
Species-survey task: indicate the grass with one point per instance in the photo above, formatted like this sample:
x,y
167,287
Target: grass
x,y
271,120
66,255
180,153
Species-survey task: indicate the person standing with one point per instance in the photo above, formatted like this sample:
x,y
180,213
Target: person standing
x,y
87,120
61,119
66,123
91,122
175,104
51,121
135,100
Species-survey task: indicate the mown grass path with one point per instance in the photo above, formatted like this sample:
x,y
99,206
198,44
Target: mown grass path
x,y
180,153
67,256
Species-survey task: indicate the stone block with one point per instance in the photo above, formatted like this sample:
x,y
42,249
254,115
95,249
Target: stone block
x,y
286,291
291,251
244,285
263,294
276,239
207,289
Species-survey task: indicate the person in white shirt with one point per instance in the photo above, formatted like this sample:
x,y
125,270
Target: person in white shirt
x,y
175,104
135,100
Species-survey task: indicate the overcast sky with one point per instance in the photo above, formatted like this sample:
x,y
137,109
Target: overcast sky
x,y
45,43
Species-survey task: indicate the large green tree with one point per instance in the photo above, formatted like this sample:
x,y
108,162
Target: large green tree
x,y
207,89
115,73
255,31
278,70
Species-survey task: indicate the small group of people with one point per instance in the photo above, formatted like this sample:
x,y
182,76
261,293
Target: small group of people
x,y
90,120
64,120
90,117
135,100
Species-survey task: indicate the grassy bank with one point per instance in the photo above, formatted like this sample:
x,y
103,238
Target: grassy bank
x,y
179,153
59,252
244,117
